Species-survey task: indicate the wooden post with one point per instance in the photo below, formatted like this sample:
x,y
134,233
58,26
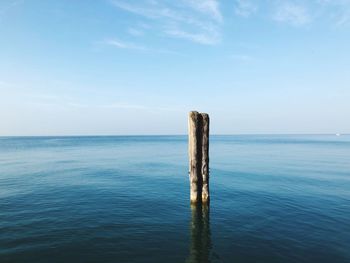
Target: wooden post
x,y
205,158
194,150
198,138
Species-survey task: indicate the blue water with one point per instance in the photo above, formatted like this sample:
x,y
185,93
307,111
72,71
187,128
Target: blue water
x,y
126,199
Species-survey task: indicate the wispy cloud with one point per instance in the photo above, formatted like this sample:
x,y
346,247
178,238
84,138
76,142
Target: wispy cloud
x,y
116,43
196,20
245,8
210,7
123,45
201,38
292,13
297,13
339,11
202,22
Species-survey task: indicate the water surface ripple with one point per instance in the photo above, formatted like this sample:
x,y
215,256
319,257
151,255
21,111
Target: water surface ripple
x,y
126,199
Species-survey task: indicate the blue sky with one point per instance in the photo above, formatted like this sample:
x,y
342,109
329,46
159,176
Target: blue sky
x,y
137,67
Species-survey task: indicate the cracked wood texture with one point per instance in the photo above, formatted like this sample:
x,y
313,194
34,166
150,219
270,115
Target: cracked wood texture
x,y
198,136
205,157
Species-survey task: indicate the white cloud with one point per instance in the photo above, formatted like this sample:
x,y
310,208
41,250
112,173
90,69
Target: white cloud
x,y
201,21
123,45
196,20
149,11
210,7
339,11
200,38
245,8
292,13
116,43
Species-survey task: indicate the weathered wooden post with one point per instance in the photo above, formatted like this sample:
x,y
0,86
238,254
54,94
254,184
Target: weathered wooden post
x,y
194,150
198,139
205,158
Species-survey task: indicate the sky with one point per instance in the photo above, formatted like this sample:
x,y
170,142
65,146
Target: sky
x,y
130,67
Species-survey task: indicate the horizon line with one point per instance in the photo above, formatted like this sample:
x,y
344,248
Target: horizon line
x,y
153,135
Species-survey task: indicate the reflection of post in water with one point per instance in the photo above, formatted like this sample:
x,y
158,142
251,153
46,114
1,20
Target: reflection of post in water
x,y
200,234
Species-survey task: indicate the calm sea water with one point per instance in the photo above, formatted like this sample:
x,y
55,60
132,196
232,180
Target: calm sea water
x,y
126,199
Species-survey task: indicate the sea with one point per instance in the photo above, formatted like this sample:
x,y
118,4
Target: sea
x,y
274,198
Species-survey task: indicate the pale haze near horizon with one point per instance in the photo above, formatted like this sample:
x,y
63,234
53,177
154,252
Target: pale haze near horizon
x,y
138,67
